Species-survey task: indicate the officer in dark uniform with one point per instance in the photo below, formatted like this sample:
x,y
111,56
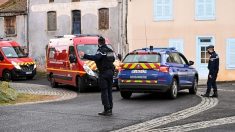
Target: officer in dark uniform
x,y
213,67
104,59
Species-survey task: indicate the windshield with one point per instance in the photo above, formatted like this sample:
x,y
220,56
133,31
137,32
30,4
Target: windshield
x,y
142,58
90,49
14,52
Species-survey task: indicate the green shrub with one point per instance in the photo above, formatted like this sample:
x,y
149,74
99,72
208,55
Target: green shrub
x,y
7,93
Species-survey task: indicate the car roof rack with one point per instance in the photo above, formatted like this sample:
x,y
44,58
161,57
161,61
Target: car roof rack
x,y
160,49
87,35
5,39
59,36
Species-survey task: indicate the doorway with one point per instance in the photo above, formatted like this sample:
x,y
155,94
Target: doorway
x,y
203,56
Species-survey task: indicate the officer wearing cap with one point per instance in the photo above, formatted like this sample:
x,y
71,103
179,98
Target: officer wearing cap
x,y
104,59
213,67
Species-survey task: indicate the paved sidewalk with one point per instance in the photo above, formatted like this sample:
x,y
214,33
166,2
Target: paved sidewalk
x,y
43,90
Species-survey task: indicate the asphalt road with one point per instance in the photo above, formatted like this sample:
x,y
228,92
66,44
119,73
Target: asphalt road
x,y
80,114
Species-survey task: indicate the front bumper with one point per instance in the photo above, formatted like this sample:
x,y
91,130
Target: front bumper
x,y
143,88
91,81
16,73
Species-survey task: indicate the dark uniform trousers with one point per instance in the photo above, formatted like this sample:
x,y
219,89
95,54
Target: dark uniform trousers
x,y
211,82
105,84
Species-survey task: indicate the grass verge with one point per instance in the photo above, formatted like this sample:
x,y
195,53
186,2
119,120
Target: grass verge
x,y
25,98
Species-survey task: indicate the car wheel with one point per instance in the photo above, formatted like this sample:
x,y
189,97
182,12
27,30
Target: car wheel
x,y
81,86
193,89
173,92
7,76
126,95
54,84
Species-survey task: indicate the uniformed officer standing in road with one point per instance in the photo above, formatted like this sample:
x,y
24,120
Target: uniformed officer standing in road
x,y
213,67
104,59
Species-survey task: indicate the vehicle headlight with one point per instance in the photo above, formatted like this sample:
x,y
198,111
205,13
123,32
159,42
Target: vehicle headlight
x,y
89,71
17,66
35,66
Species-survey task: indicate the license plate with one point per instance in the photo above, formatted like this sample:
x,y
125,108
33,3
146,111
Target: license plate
x,y
28,72
139,71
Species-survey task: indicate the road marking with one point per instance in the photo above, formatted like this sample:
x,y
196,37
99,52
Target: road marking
x,y
197,125
205,104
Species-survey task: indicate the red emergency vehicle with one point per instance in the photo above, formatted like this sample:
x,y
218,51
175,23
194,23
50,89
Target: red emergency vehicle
x,y
65,66
14,62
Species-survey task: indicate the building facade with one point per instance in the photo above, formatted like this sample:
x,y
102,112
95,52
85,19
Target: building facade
x,y
13,21
50,18
188,25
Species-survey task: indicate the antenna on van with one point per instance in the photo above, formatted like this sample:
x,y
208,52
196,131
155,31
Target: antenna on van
x,y
146,45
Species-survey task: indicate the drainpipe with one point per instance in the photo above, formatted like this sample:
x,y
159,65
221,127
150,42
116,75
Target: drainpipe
x,y
126,17
27,24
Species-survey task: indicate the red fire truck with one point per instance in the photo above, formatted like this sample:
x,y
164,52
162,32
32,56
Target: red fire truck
x,y
14,62
65,66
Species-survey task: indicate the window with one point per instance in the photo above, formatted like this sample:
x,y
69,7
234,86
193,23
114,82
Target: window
x,y
205,9
178,44
51,21
163,10
104,18
10,25
204,55
50,1
183,59
230,57
52,53
75,0
174,58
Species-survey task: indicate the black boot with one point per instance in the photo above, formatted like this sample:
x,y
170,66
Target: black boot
x,y
215,95
106,113
205,95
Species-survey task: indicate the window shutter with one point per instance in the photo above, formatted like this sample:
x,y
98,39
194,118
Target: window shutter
x,y
10,25
104,18
178,44
51,21
231,54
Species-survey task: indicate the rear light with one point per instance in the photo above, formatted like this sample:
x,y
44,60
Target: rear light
x,y
120,69
164,69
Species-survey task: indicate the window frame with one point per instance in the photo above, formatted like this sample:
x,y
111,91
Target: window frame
x,y
203,17
163,18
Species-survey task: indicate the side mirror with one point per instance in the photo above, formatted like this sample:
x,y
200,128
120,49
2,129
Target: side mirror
x,y
119,57
72,58
190,63
1,58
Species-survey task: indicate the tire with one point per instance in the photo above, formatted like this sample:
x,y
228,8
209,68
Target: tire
x,y
173,92
193,89
126,95
54,84
81,86
7,76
